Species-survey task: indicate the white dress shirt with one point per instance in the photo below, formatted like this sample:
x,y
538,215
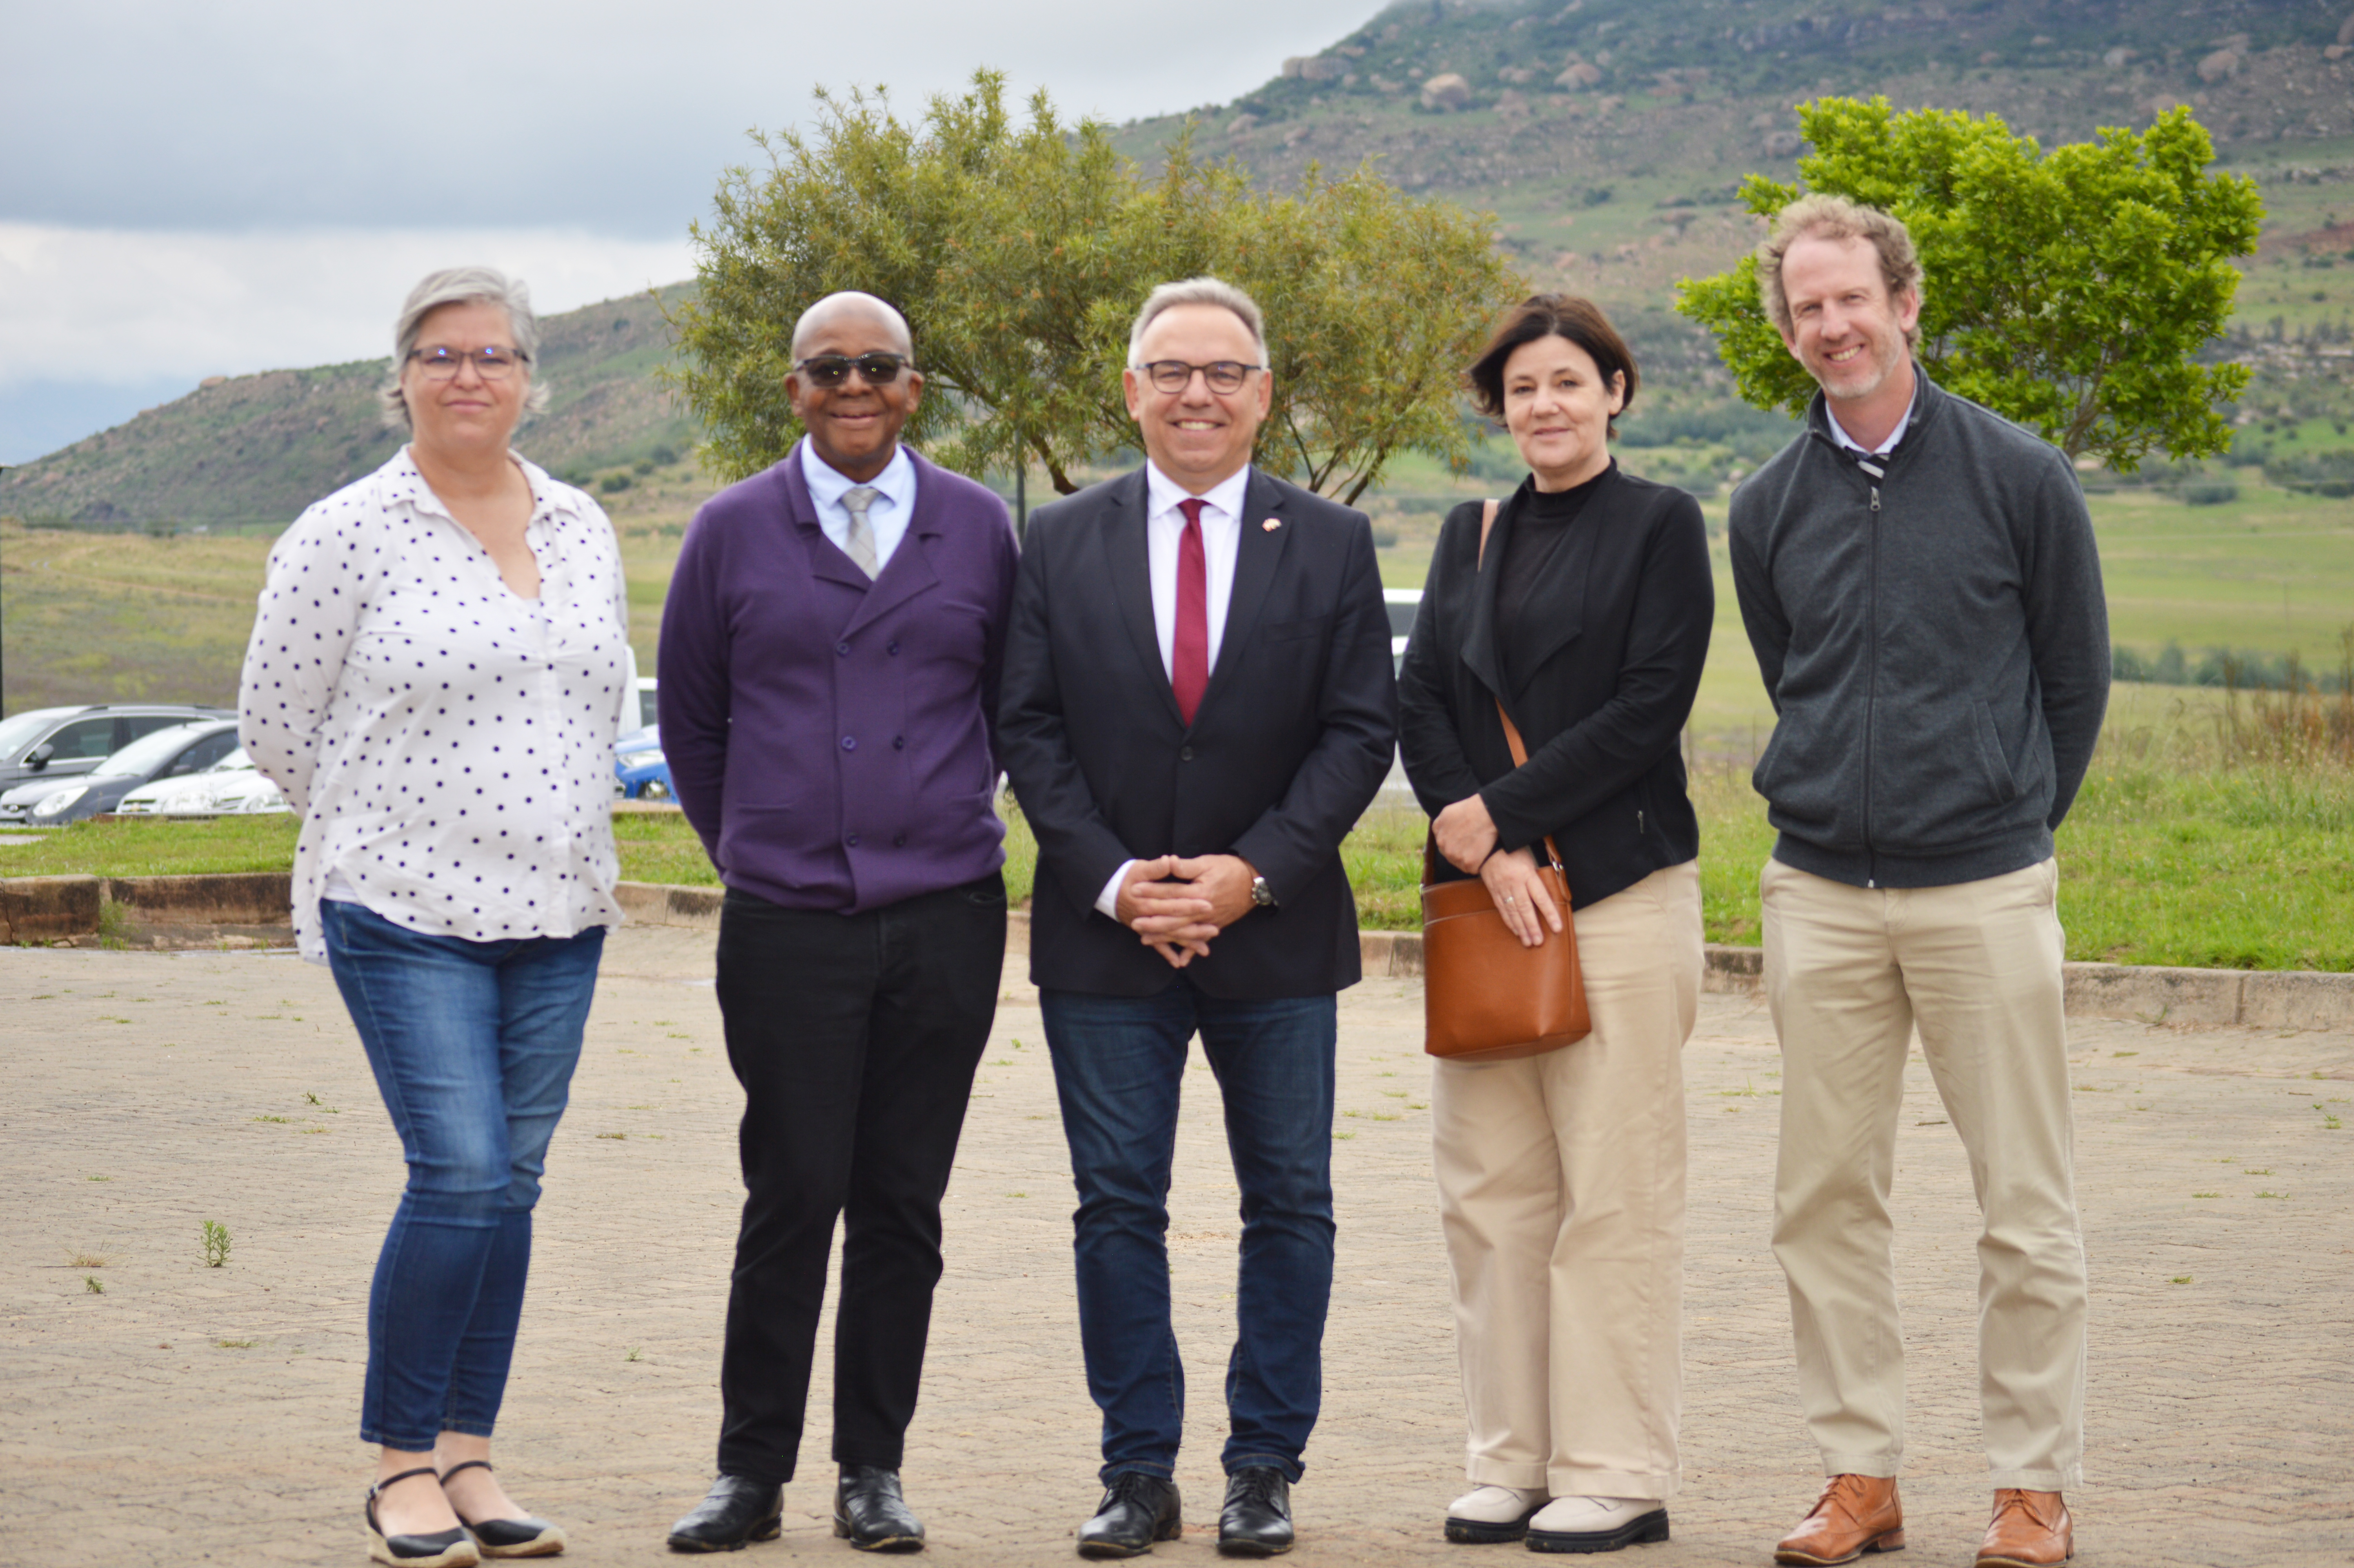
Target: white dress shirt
x,y
1222,541
449,743
893,505
1839,432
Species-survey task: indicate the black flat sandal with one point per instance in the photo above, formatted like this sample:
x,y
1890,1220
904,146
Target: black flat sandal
x,y
442,1548
508,1537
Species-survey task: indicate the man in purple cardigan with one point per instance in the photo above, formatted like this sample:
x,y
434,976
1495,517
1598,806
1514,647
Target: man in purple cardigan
x,y
830,659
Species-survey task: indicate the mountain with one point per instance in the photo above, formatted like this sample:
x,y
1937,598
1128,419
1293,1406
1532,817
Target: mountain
x,y
1609,137
249,449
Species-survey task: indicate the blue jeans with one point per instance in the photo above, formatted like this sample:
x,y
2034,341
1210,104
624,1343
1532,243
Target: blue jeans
x,y
1120,1065
472,1044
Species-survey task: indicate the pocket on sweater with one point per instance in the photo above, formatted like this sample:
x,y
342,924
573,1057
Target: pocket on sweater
x,y
1997,766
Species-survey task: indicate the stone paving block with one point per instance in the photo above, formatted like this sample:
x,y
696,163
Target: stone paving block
x,y
190,1414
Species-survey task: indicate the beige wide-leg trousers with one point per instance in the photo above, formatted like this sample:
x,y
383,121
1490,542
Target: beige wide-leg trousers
x,y
1561,1190
1849,971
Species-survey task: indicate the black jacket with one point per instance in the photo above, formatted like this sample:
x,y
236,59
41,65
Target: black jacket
x,y
1935,642
1293,737
1612,674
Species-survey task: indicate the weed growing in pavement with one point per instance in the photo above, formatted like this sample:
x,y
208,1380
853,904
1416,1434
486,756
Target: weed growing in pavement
x,y
236,1344
312,1099
99,1260
2179,1279
89,1283
2206,1194
113,922
98,1178
216,1244
633,1355
617,1137
277,1118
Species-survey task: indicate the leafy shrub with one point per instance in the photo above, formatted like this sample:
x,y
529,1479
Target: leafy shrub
x,y
2211,492
614,483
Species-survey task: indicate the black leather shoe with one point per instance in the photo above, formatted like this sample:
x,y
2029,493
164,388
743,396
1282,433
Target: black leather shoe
x,y
442,1548
1256,1519
869,1512
1137,1510
735,1511
524,1536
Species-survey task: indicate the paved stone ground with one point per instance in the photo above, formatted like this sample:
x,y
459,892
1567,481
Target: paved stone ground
x,y
187,1414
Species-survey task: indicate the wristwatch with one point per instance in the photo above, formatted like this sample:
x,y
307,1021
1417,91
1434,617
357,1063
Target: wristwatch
x,y
1261,894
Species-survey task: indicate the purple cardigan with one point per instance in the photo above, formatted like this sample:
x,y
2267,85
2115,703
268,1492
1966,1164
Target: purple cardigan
x,y
833,740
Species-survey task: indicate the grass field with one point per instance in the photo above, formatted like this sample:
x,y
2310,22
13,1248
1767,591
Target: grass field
x,y
2172,855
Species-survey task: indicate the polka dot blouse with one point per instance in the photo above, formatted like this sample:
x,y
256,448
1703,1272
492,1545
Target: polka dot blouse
x,y
449,743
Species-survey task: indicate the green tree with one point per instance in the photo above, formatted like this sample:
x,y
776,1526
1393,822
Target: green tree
x,y
2069,291
1019,253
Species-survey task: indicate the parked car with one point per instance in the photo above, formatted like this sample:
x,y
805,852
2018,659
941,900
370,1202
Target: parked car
x,y
641,772
42,744
246,792
171,753
1404,604
185,796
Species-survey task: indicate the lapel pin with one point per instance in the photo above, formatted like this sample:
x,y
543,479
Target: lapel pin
x,y
1272,524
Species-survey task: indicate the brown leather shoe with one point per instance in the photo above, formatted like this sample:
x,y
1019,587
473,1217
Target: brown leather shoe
x,y
1856,1514
2031,1529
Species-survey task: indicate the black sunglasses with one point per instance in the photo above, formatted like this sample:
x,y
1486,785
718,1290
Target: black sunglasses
x,y
833,369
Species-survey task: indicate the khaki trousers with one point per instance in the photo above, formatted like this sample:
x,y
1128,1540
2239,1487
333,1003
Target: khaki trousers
x,y
1849,971
1561,1190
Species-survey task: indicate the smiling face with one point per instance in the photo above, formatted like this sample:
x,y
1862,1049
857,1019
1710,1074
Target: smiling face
x,y
1197,437
854,426
1844,326
465,414
1558,408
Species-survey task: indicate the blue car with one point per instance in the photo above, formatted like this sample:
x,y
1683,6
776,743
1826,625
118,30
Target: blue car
x,y
641,772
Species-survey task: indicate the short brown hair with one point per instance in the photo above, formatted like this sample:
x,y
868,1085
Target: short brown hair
x,y
1825,216
1579,319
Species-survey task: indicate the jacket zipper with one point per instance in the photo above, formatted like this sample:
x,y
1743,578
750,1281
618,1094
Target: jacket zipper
x,y
1872,691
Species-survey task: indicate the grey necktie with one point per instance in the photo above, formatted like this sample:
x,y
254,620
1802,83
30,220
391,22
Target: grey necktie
x,y
861,548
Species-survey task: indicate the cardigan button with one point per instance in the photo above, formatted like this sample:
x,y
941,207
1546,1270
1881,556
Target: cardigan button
x,y
853,841
894,649
842,648
899,743
1186,755
849,743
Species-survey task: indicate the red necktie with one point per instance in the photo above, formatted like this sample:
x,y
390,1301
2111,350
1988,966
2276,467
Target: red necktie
x,y
1190,657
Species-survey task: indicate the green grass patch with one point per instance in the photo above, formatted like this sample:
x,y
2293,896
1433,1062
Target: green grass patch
x,y
2170,857
214,845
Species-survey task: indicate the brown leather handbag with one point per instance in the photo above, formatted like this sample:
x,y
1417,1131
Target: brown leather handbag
x,y
1486,998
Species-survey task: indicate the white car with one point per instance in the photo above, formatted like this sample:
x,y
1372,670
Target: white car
x,y
184,796
1403,605
233,786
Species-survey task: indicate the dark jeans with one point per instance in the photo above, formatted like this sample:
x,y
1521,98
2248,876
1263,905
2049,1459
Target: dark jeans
x,y
1120,1065
855,1038
472,1044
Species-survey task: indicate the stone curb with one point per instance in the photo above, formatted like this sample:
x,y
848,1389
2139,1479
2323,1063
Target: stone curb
x,y
58,908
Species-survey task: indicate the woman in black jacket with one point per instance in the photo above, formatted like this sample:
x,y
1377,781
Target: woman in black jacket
x,y
1561,1176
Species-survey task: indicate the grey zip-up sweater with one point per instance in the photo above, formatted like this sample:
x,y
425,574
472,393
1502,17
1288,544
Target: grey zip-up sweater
x,y
1935,640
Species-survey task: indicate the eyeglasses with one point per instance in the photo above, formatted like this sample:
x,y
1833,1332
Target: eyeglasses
x,y
1175,375
492,364
833,369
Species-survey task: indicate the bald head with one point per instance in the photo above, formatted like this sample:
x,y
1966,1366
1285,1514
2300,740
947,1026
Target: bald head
x,y
848,308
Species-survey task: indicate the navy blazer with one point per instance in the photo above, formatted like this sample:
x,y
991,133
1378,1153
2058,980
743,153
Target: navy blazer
x,y
1293,737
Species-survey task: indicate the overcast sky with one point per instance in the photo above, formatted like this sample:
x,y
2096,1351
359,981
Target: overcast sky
x,y
215,189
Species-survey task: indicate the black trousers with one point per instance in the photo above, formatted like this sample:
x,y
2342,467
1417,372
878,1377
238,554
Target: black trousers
x,y
855,1038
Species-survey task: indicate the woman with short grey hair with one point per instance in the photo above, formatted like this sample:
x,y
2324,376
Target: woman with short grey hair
x,y
437,669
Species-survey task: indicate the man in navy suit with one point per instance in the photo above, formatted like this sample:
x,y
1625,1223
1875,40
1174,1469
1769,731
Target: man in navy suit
x,y
1197,707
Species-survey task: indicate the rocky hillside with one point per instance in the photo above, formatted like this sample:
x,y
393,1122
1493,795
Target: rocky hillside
x,y
257,449
1607,136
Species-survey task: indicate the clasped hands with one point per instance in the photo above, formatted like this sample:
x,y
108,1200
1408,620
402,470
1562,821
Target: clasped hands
x,y
1467,837
1176,903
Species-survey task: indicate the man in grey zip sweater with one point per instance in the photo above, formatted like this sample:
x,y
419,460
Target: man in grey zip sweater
x,y
1919,580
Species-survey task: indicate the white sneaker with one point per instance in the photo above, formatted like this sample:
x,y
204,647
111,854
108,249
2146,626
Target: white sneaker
x,y
1596,1524
1487,1515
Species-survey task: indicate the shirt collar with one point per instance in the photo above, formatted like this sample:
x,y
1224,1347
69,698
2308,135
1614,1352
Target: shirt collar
x,y
828,484
548,495
1839,432
1161,493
